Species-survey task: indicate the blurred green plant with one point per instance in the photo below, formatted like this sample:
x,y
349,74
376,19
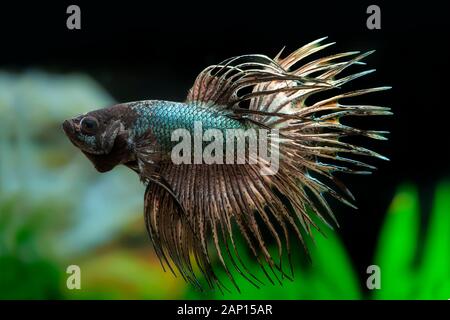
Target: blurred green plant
x,y
414,266
27,271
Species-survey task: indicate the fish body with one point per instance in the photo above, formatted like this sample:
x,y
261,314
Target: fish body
x,y
163,117
193,211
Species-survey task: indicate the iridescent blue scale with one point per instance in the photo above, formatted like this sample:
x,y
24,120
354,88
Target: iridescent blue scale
x,y
163,117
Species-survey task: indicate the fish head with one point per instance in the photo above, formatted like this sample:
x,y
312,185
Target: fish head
x,y
101,135
94,132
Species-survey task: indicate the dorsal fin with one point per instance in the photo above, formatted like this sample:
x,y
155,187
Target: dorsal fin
x,y
219,86
275,88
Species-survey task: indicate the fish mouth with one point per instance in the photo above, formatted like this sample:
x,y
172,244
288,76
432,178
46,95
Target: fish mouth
x,y
70,130
68,127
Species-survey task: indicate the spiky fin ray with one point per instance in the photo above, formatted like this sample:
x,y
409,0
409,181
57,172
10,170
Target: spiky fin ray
x,y
214,198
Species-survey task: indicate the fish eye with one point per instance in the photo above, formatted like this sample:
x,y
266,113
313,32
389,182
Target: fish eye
x,y
89,125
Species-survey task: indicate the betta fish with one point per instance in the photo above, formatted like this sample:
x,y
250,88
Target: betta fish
x,y
194,212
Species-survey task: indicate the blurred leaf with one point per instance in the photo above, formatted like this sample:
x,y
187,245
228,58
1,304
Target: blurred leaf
x,y
332,270
397,245
35,279
26,272
434,275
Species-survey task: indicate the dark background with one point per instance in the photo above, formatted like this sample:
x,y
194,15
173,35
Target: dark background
x,y
151,50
